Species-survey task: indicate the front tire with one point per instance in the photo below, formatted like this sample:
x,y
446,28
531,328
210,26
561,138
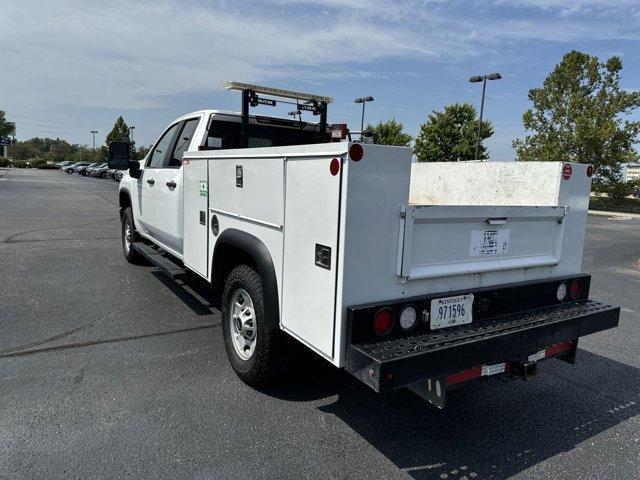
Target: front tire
x,y
250,340
130,235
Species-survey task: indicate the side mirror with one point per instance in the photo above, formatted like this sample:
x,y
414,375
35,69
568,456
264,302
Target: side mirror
x,y
134,169
119,155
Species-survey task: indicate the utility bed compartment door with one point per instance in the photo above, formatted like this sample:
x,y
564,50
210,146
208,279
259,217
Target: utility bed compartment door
x,y
196,215
440,241
310,252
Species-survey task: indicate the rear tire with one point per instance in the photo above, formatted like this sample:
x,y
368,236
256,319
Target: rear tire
x,y
251,342
130,235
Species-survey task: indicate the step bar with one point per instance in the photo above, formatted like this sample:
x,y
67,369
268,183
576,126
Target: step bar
x,y
166,265
400,362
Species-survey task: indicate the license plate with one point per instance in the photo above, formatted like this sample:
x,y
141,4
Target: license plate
x,y
451,311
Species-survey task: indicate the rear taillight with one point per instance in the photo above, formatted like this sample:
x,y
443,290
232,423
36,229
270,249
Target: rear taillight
x,y
383,321
589,170
575,289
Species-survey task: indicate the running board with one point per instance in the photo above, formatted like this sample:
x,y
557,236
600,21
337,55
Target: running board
x,y
166,265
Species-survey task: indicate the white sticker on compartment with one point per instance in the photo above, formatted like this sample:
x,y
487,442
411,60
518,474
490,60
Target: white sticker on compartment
x,y
489,242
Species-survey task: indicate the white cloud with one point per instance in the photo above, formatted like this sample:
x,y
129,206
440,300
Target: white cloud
x,y
136,54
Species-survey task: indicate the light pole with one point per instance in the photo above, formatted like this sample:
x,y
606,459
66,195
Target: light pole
x,y
93,132
483,79
293,113
363,101
131,128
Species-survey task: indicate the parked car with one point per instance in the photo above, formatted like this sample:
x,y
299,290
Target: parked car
x,y
73,168
87,170
100,171
61,165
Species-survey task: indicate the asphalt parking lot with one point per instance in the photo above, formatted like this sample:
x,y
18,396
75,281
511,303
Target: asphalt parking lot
x,y
110,370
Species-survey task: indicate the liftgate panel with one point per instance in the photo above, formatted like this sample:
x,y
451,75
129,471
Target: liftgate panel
x,y
310,251
196,216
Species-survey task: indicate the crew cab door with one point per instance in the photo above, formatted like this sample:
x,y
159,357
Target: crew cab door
x,y
168,224
150,178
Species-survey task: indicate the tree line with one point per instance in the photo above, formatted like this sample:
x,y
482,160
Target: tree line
x,y
579,114
42,151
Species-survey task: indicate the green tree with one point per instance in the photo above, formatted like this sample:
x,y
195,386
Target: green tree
x,y
24,151
6,128
581,114
120,132
141,152
451,135
389,133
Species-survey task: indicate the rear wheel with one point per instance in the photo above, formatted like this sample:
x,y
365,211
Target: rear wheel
x,y
129,235
249,339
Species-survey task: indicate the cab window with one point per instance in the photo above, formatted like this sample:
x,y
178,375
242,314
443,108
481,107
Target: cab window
x,y
157,157
182,143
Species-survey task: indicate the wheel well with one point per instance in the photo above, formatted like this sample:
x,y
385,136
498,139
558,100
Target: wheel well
x,y
226,259
235,247
125,201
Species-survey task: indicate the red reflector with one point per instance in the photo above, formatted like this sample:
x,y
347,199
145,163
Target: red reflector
x,y
463,376
334,167
557,348
383,321
575,289
589,170
566,171
356,152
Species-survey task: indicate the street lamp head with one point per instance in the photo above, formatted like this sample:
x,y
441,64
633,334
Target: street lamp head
x,y
476,79
494,76
363,99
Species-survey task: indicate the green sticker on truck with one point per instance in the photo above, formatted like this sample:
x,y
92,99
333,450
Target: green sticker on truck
x,y
203,188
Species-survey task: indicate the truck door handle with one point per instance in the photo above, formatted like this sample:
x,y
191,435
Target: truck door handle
x,y
151,181
171,184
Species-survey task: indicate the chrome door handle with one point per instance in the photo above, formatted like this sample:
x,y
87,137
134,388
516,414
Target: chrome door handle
x,y
171,184
151,181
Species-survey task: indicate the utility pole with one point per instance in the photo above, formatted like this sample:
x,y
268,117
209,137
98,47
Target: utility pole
x,y
483,79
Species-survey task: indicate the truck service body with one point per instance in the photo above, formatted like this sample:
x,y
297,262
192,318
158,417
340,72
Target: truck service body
x,y
407,275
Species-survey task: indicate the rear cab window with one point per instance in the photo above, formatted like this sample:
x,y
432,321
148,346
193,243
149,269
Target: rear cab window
x,y
262,132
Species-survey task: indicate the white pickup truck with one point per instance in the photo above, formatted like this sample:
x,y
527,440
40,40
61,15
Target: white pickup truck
x,y
407,275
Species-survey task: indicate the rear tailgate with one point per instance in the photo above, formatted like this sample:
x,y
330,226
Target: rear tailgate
x,y
441,241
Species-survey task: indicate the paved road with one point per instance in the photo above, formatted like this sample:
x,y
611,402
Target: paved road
x,y
108,370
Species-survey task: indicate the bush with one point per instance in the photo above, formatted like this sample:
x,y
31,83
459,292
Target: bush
x,y
628,205
20,164
4,162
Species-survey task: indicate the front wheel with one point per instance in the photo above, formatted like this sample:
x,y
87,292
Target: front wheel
x,y
129,235
250,340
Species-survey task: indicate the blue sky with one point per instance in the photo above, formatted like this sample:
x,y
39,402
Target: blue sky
x,y
72,66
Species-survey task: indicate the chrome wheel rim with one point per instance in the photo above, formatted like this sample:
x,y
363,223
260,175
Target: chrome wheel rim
x,y
242,324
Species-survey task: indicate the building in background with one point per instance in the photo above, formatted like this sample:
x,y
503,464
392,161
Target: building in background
x,y
630,172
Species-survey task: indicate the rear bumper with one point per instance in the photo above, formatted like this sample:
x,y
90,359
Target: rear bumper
x,y
399,362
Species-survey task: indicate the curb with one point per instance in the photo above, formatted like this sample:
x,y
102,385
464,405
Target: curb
x,y
603,213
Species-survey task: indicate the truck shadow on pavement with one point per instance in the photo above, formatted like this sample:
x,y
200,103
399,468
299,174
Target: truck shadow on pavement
x,y
494,428
490,428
